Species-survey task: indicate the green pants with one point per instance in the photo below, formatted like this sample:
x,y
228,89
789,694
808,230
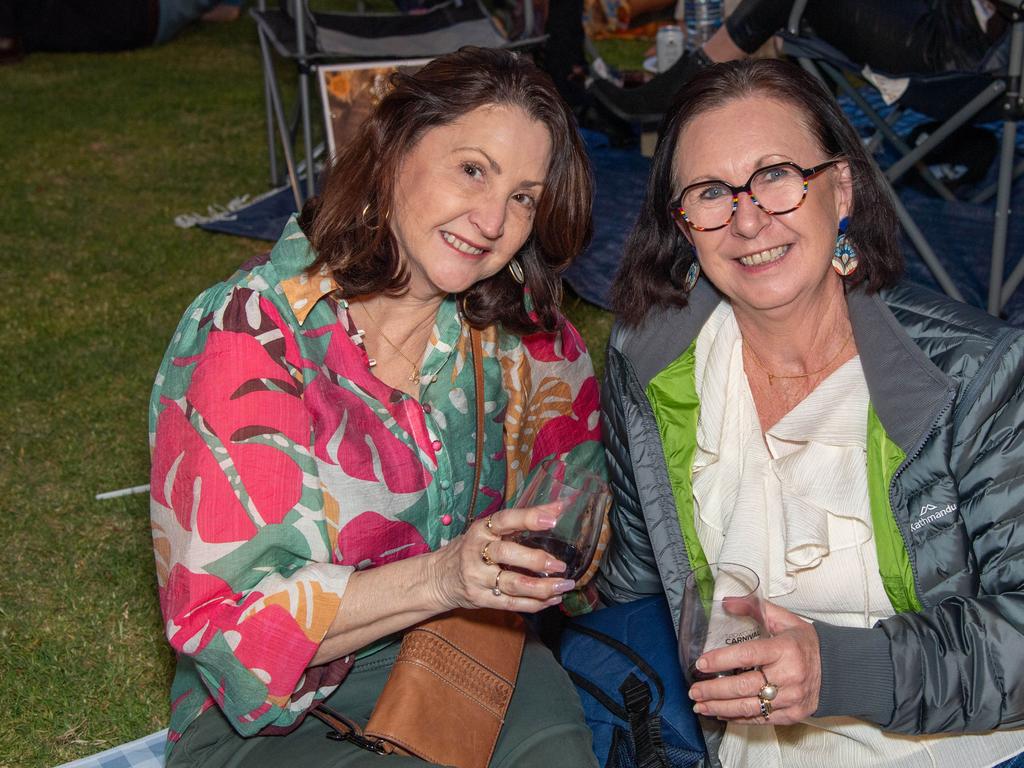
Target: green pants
x,y
544,726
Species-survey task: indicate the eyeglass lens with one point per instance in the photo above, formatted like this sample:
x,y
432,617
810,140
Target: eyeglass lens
x,y
778,188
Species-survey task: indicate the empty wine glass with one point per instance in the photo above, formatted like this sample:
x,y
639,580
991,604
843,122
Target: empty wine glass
x,y
585,499
722,605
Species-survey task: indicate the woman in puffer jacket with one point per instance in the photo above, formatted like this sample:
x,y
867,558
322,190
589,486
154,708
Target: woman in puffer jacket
x,y
776,397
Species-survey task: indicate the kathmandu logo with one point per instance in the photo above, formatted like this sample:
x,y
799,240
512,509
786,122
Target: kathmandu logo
x,y
930,513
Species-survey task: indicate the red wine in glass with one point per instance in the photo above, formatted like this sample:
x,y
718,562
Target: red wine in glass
x,y
583,499
696,675
562,550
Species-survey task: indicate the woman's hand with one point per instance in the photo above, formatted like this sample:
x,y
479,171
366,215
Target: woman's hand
x,y
471,571
789,660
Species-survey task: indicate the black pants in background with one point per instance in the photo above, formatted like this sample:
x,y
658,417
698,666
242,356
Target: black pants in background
x,y
80,25
896,36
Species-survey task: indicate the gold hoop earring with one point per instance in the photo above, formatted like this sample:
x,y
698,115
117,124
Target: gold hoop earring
x,y
366,209
516,270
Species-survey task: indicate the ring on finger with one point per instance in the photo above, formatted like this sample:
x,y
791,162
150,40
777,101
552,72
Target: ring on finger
x,y
496,589
768,691
484,554
489,526
765,695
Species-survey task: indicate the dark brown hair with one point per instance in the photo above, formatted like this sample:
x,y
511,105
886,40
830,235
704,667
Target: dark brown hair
x,y
347,224
658,255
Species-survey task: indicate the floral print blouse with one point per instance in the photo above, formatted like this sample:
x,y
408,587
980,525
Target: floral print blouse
x,y
280,464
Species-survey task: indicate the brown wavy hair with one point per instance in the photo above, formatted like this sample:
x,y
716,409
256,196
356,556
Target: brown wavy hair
x,y
658,255
347,226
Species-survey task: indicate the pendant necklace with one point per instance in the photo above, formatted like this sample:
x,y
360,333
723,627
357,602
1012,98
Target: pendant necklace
x,y
773,376
416,374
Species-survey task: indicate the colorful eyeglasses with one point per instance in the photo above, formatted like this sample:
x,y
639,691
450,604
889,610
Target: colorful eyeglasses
x,y
775,189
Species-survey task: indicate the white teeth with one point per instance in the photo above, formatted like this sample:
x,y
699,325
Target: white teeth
x,y
764,257
453,241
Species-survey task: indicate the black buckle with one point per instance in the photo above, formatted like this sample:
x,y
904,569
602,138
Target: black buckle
x,y
370,745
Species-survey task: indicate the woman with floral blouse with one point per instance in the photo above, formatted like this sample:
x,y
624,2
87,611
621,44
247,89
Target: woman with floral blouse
x,y
313,425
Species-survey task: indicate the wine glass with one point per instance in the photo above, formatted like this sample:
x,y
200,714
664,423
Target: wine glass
x,y
585,498
722,605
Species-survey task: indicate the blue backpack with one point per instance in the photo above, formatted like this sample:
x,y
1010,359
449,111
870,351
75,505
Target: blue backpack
x,y
625,665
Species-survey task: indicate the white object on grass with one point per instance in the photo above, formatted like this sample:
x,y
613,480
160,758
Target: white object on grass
x,y
123,492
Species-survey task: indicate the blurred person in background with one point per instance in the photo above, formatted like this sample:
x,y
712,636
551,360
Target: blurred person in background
x,y
904,37
69,26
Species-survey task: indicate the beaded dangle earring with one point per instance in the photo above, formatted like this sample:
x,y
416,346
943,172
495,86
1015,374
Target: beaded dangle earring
x,y
691,275
844,257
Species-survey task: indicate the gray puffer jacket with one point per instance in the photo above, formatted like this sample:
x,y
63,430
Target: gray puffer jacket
x,y
946,466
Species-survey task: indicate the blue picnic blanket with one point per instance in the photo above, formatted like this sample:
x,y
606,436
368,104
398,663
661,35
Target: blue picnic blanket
x,y
147,752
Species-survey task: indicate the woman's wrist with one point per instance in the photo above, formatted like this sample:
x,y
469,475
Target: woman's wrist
x,y
382,601
440,579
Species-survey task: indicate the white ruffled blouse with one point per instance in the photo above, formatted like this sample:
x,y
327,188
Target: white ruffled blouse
x,y
792,504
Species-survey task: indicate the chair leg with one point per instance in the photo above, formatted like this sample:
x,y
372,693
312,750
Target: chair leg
x,y
875,143
996,290
303,64
998,293
270,81
307,130
275,175
924,249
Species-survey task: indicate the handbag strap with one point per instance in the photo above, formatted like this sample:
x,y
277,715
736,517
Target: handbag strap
x,y
477,352
343,729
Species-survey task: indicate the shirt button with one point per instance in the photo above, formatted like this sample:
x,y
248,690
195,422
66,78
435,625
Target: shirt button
x,y
427,408
446,519
436,445
445,485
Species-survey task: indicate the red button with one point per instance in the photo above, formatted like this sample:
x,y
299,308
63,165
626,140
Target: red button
x,y
446,519
427,408
436,445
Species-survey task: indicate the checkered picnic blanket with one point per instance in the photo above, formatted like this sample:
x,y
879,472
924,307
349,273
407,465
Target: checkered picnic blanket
x,y
147,752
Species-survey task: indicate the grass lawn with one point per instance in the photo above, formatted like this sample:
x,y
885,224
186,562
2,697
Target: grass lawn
x,y
99,153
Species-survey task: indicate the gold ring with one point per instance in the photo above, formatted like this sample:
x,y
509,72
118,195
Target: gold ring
x,y
496,590
766,708
484,555
489,527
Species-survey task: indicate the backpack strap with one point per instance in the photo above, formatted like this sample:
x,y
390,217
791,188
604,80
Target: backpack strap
x,y
648,746
630,654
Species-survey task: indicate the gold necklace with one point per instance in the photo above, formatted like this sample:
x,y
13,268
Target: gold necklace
x,y
773,376
416,373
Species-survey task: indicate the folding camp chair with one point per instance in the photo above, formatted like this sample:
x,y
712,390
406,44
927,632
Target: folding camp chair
x,y
311,38
957,98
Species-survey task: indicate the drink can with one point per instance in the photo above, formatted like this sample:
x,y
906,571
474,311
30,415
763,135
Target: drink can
x,y
669,46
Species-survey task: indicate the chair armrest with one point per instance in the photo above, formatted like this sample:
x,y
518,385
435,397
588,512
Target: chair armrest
x,y
796,14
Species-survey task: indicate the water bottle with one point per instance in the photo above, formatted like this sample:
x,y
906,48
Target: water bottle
x,y
669,46
702,18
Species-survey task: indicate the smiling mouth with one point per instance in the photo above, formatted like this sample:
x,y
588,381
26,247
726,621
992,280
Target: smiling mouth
x,y
764,257
461,245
